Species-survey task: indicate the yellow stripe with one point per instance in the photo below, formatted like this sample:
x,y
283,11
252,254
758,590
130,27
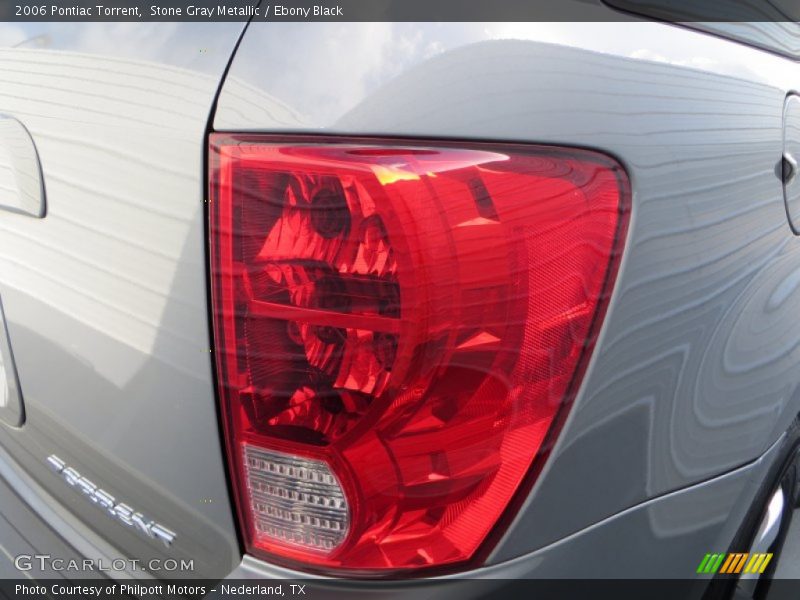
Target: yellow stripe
x,y
739,566
765,563
751,566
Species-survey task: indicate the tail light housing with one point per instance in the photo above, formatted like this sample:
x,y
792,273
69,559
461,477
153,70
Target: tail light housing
x,y
399,327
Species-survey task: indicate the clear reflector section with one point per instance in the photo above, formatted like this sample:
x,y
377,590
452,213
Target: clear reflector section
x,y
295,501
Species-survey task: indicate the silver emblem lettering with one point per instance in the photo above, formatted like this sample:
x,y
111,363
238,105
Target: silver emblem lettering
x,y
120,511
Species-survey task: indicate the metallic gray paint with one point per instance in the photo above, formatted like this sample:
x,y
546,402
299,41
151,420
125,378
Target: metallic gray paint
x,y
105,298
695,372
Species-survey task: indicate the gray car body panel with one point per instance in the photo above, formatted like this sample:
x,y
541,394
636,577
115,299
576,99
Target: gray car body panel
x,y
693,378
105,298
695,371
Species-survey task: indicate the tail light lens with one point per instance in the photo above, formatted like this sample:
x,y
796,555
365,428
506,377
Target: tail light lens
x,y
397,328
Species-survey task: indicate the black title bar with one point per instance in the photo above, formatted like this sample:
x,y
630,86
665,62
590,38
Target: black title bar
x,y
787,11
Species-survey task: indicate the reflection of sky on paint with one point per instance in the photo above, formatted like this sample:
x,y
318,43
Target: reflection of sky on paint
x,y
199,46
348,61
11,34
321,70
659,42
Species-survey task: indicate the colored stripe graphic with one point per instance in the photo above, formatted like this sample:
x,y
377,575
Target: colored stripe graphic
x,y
740,564
734,563
703,563
729,562
754,564
710,563
717,563
765,563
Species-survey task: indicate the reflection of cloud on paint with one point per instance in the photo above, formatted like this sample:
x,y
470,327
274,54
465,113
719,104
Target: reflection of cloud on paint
x,y
203,47
145,41
312,74
348,60
195,46
633,39
432,49
700,62
542,32
655,42
340,48
11,35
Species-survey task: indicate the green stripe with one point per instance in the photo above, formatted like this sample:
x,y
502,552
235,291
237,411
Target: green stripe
x,y
701,568
711,562
718,564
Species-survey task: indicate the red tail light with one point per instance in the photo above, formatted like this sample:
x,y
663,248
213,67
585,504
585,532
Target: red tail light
x,y
397,326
